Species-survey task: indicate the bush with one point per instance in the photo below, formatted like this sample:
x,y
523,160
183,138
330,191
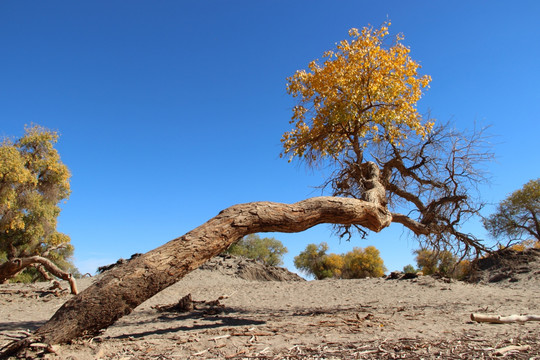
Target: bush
x,y
314,261
526,244
441,262
409,269
266,250
361,263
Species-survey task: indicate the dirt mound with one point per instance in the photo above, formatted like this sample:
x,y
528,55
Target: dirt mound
x,y
248,269
508,266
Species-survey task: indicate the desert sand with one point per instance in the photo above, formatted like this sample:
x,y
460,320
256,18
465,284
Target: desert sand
x,y
378,318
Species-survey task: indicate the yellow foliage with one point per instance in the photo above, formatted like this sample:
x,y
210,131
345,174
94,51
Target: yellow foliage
x,y
333,263
526,244
356,264
442,262
360,263
362,92
33,180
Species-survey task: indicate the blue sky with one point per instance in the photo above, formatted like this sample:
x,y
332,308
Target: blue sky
x,y
170,111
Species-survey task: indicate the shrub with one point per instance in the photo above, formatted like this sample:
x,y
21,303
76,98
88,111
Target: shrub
x,y
266,250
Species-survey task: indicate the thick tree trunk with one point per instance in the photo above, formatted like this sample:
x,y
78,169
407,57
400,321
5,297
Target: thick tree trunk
x,y
12,267
126,286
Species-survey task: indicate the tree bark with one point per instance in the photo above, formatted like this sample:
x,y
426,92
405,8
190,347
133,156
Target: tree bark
x,y
11,267
126,286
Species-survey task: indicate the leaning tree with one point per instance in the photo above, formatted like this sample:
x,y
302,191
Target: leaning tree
x,y
356,112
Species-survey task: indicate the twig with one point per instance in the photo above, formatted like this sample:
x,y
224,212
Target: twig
x,y
248,333
367,352
235,354
200,352
221,337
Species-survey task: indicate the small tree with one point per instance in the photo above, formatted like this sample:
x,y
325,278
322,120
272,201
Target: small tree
x,y
266,250
312,261
433,261
441,262
361,263
409,269
33,181
517,217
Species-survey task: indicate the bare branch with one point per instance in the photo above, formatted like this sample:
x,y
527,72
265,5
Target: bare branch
x,y
13,266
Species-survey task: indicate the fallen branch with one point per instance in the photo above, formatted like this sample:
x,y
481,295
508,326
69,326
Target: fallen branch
x,y
13,266
511,348
498,319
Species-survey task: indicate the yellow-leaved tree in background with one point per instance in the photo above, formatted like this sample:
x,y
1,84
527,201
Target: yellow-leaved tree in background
x,y
356,264
33,182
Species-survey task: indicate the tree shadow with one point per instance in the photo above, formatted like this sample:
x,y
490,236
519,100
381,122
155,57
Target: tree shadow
x,y
212,321
21,325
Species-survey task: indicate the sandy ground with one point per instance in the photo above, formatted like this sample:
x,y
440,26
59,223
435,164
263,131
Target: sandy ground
x,y
330,319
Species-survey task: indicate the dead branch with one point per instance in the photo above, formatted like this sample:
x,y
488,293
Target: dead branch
x,y
13,266
498,319
512,348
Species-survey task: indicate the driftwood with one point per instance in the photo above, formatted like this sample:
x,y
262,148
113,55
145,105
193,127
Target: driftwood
x,y
127,285
498,319
510,349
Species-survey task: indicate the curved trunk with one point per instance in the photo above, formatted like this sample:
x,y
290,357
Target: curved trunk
x,y
12,267
126,286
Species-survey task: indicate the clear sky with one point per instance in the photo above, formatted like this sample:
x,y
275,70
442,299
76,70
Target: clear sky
x,y
170,111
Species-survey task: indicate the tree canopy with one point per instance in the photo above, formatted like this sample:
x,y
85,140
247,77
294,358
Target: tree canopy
x,y
517,217
33,182
363,92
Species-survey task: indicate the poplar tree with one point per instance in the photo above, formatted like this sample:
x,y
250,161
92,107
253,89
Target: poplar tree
x,y
33,183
